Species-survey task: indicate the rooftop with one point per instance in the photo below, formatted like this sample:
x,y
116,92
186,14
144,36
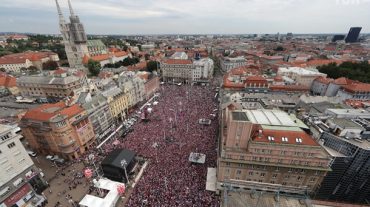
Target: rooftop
x,y
46,111
239,116
270,117
299,70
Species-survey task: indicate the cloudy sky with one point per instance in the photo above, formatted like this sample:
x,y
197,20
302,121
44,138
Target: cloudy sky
x,y
189,16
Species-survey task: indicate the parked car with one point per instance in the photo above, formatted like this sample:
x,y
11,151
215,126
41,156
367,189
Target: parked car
x,y
31,153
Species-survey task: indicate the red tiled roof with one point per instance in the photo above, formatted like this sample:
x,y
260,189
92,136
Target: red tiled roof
x,y
178,62
47,111
72,110
7,80
120,53
291,135
357,87
137,66
40,112
343,81
324,80
18,58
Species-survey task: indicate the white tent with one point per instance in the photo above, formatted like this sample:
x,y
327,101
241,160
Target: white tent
x,y
109,200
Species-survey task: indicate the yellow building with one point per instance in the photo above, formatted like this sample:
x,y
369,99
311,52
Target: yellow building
x,y
118,101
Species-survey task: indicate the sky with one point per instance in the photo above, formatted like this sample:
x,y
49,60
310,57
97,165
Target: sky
x,y
189,16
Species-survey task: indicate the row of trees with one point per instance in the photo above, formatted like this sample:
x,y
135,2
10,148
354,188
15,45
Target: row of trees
x,y
355,71
126,62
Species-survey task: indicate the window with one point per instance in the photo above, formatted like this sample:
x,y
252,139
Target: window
x,y
299,178
250,173
11,145
238,172
228,164
312,179
274,175
263,174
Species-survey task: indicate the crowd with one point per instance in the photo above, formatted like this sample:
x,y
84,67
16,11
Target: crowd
x,y
167,140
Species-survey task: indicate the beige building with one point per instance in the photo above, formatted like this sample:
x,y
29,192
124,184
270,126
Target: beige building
x,y
301,76
59,84
58,129
267,149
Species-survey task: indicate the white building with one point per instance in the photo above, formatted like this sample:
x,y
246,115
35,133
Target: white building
x,y
179,56
203,69
228,63
301,76
17,170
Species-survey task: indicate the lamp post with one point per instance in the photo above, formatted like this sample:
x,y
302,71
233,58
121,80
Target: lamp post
x,y
124,165
91,158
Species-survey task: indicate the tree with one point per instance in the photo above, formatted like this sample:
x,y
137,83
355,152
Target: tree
x,y
151,66
355,71
125,48
94,67
279,48
2,70
50,65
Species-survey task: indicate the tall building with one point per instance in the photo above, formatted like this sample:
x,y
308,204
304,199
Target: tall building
x,y
353,34
19,177
58,129
268,149
74,37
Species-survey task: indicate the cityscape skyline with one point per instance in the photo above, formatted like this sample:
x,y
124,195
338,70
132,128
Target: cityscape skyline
x,y
191,17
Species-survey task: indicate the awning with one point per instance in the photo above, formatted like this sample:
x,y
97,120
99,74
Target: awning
x,y
3,191
17,182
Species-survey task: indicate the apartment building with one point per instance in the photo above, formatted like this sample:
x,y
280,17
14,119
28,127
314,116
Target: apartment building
x,y
301,76
228,63
100,116
118,102
20,179
58,129
267,149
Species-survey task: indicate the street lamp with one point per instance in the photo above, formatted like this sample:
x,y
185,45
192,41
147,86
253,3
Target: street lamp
x,y
124,165
91,158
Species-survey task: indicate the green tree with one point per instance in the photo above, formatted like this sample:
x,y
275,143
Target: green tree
x,y
2,70
50,65
279,48
94,67
151,66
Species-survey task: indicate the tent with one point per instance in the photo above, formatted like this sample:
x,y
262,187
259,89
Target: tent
x,y
112,167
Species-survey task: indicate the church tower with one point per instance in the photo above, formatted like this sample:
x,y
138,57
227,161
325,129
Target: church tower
x,y
74,37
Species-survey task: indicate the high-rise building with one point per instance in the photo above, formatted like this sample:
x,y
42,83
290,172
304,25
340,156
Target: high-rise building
x,y
353,34
74,37
268,149
338,38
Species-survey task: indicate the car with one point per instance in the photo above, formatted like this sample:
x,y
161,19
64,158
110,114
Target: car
x,y
49,157
31,153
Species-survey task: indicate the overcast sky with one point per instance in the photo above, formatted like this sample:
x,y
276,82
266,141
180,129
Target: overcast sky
x,y
189,16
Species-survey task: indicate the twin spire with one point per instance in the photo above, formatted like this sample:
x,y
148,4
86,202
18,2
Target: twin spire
x,y
60,13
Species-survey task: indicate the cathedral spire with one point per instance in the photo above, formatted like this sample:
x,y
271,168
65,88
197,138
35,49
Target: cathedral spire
x,y
61,18
70,8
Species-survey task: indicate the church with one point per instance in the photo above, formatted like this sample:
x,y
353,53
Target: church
x,y
78,49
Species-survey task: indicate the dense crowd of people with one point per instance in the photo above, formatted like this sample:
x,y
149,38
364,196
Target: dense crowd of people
x,y
167,140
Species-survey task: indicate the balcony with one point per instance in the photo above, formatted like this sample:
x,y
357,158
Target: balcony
x,y
63,145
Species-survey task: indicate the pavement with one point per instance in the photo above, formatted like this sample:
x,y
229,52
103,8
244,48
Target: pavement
x,y
60,185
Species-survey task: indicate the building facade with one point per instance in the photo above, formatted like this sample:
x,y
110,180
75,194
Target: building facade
x,y
118,102
266,149
100,116
58,129
301,76
15,62
60,84
18,174
231,63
